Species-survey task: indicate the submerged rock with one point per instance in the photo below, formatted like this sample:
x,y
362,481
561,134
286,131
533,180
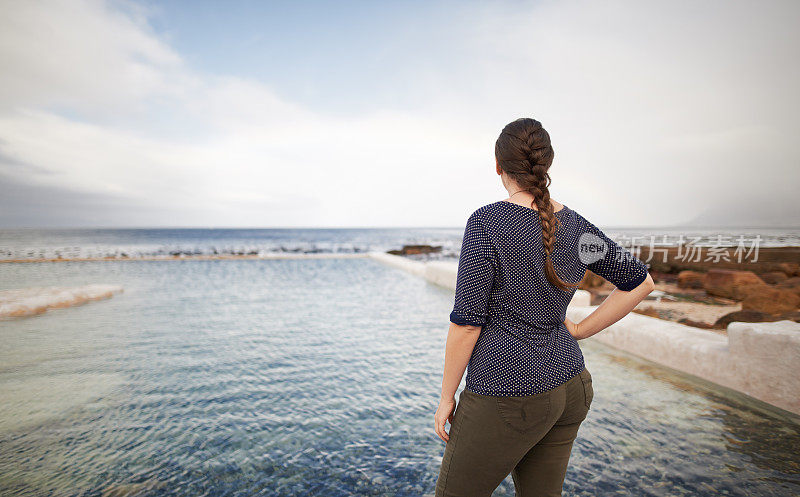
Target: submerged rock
x,y
416,249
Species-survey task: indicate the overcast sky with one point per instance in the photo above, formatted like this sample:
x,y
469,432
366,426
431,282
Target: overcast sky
x,y
259,114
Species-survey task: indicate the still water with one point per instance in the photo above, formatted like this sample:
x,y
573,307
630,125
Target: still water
x,y
315,377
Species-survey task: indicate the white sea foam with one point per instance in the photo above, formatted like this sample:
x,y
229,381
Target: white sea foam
x,y
36,300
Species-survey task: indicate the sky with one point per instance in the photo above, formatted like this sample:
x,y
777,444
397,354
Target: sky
x,y
385,114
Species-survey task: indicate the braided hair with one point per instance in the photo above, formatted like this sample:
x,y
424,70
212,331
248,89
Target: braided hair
x,y
524,152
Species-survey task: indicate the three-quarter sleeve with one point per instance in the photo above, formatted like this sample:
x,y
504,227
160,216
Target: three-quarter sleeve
x,y
605,257
476,270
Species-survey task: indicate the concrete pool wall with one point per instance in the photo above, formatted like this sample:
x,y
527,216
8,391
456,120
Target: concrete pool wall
x,y
761,360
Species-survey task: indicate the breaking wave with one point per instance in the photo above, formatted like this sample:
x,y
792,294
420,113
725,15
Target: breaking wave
x,y
36,300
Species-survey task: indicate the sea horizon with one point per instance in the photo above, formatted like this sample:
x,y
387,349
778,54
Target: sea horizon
x,y
132,243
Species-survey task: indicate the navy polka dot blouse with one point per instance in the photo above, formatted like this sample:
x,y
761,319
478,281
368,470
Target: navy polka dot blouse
x,y
524,347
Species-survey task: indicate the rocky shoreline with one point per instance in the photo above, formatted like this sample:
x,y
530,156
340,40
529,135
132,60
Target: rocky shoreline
x,y
707,290
711,292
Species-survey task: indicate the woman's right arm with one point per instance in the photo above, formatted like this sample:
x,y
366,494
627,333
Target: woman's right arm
x,y
605,257
614,307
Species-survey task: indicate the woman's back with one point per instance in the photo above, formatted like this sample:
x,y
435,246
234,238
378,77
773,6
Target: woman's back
x,y
528,389
502,285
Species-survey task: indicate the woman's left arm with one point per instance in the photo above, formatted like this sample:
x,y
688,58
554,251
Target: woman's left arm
x,y
458,349
474,281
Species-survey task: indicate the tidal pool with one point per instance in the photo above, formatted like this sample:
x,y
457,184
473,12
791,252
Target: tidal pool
x,y
316,377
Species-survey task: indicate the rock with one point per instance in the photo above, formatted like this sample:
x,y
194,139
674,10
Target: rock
x,y
659,266
696,324
591,280
728,282
416,249
774,277
690,279
660,277
791,316
598,298
748,316
789,268
745,291
792,284
771,300
648,311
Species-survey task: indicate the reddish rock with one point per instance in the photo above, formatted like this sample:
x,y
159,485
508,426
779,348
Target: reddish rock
x,y
792,316
591,280
774,277
789,268
745,317
771,300
662,277
648,311
690,279
728,282
696,324
792,284
744,291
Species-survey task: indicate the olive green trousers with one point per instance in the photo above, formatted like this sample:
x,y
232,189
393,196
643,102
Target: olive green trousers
x,y
530,437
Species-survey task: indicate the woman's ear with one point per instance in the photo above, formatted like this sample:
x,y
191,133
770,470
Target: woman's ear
x,y
497,166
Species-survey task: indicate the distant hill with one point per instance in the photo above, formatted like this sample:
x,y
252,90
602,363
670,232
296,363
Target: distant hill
x,y
762,214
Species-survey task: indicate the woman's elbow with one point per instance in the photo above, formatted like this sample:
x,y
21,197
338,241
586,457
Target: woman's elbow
x,y
472,329
467,329
648,283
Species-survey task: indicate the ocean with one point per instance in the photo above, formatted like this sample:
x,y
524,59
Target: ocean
x,y
308,376
29,243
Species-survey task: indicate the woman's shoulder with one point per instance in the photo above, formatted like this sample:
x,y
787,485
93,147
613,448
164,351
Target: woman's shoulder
x,y
487,211
498,213
505,204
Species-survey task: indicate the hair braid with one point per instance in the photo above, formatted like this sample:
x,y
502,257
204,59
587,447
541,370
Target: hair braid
x,y
523,151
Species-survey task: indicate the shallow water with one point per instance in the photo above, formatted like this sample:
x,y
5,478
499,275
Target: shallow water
x,y
315,377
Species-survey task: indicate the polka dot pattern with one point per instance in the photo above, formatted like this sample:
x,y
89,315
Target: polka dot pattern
x,y
524,347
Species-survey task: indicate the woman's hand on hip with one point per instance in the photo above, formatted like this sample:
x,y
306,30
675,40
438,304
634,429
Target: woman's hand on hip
x,y
573,329
443,414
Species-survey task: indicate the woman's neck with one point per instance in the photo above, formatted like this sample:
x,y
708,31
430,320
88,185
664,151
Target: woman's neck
x,y
527,201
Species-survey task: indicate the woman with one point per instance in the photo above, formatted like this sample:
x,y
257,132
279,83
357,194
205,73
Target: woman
x,y
527,388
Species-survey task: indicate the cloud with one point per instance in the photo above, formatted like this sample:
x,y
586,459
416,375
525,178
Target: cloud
x,y
674,110
86,55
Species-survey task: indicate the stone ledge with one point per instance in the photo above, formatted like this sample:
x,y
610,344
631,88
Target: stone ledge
x,y
761,360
